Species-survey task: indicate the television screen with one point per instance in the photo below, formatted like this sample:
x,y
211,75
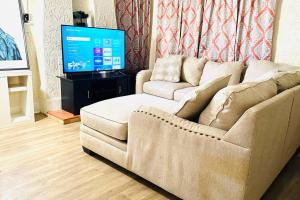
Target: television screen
x,y
92,49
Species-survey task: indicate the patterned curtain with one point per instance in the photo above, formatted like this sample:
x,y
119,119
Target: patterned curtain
x,y
222,30
255,30
168,27
219,30
179,26
134,16
192,13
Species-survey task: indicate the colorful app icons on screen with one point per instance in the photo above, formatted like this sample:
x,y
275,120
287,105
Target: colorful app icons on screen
x,y
107,42
98,61
116,60
107,61
107,52
98,52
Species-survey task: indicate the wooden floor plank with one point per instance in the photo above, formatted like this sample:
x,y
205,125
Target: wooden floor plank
x,y
45,161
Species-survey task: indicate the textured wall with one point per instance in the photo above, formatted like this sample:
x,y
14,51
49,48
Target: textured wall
x,y
81,5
56,13
105,14
287,33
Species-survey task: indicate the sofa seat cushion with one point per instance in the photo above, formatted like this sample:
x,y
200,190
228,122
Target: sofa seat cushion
x,y
179,94
111,116
163,89
120,144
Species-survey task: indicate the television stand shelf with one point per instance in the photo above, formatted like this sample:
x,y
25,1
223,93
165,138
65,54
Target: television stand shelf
x,y
78,91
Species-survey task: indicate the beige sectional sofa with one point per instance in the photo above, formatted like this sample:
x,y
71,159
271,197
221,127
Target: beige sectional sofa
x,y
188,159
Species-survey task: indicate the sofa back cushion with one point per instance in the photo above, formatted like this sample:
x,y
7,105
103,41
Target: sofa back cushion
x,y
284,80
213,70
192,69
230,103
286,68
167,69
258,68
194,102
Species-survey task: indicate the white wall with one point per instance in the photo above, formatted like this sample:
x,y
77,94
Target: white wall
x,y
81,5
105,14
34,41
44,49
287,33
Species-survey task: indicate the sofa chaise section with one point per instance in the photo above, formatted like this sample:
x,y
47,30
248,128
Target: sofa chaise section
x,y
104,125
194,161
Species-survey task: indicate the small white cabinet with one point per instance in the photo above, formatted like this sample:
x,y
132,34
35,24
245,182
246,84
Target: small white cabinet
x,y
16,98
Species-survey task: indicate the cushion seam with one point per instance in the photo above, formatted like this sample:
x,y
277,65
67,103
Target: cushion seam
x,y
104,118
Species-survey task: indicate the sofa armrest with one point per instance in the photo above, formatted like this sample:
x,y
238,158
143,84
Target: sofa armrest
x,y
142,77
185,158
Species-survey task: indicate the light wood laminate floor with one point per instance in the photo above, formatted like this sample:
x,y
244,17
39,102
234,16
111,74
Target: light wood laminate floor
x,y
45,161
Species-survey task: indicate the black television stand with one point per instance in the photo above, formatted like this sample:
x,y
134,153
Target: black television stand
x,y
81,90
101,74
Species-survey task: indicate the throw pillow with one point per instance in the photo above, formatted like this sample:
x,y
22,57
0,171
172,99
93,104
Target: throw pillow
x,y
167,69
194,102
192,69
230,103
213,70
258,68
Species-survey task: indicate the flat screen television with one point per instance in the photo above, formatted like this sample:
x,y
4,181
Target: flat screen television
x,y
88,49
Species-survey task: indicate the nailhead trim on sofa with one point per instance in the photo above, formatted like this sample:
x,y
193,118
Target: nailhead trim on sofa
x,y
176,126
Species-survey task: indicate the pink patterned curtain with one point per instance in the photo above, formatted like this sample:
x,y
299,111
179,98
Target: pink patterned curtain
x,y
179,26
222,30
255,30
134,16
168,27
219,30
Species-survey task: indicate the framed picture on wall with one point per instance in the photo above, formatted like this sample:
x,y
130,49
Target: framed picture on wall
x,y
12,38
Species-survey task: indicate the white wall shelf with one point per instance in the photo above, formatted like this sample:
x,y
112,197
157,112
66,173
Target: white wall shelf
x,y
16,97
17,89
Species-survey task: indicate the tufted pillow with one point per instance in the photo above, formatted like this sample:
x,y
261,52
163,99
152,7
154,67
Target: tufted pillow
x,y
167,69
193,103
213,70
258,68
192,69
230,103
